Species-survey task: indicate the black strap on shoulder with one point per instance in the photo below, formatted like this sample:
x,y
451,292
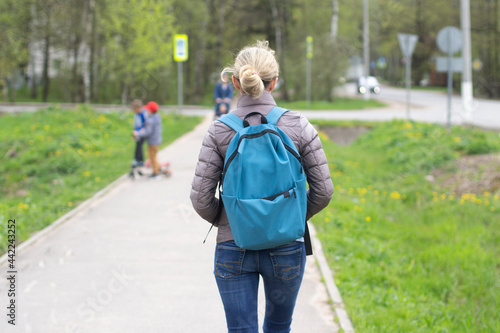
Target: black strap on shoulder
x,y
307,242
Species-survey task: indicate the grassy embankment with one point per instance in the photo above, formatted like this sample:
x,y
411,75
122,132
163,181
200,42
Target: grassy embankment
x,y
54,159
409,254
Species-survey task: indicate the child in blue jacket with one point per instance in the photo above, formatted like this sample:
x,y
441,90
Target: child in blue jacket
x,y
152,132
139,122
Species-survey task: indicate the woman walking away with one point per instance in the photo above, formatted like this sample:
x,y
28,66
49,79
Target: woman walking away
x,y
237,268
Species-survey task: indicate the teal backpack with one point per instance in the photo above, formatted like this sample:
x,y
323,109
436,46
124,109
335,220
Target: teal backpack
x,y
263,183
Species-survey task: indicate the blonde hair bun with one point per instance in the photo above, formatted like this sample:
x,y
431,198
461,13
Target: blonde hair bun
x,y
255,67
250,81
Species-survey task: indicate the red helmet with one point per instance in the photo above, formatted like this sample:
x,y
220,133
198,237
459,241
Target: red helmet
x,y
151,106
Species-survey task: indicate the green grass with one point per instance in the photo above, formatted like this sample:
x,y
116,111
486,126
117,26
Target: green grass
x,y
408,254
339,103
429,88
54,159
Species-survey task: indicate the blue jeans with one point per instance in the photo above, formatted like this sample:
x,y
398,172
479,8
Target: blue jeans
x,y
237,274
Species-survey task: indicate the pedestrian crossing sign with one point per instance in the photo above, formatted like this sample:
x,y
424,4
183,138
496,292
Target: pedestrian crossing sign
x,y
180,48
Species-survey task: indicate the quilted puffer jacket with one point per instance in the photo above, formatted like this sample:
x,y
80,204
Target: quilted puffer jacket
x,y
213,152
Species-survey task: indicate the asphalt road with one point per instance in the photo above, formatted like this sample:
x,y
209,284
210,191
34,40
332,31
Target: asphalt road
x,y
426,106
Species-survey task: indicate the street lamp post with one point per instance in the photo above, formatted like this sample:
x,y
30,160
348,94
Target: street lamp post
x,y
467,95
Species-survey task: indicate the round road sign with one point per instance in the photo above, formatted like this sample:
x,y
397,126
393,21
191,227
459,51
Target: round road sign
x,y
449,40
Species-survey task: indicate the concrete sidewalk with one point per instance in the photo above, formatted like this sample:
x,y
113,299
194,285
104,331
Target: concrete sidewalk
x,y
134,261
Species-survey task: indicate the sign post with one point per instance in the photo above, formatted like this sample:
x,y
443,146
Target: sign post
x,y
180,55
309,55
407,44
450,41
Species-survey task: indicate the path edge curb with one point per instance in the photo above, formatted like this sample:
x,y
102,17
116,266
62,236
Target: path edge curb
x,y
331,287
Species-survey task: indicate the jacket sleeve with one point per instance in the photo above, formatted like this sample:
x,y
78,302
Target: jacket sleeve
x,y
207,176
316,166
147,130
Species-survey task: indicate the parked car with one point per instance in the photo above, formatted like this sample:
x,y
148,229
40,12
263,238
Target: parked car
x,y
371,83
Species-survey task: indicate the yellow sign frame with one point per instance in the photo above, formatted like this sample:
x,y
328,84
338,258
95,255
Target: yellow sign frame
x,y
181,49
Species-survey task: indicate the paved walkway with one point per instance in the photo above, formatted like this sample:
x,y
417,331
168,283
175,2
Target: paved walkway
x,y
133,260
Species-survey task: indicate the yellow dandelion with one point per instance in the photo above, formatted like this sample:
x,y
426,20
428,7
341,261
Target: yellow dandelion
x,y
327,219
368,219
70,204
407,125
457,139
395,195
47,127
97,179
86,174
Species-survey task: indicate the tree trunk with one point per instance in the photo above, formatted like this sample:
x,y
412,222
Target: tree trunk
x,y
220,32
74,76
46,65
335,21
277,27
34,86
200,56
93,53
284,18
5,91
12,88
125,93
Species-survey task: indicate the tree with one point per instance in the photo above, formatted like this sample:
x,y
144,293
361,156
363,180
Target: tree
x,y
138,45
14,40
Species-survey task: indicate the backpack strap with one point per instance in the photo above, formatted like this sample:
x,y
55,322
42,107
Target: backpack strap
x,y
275,114
232,121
